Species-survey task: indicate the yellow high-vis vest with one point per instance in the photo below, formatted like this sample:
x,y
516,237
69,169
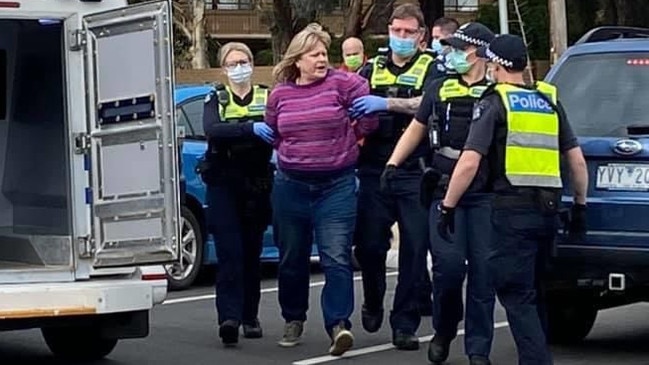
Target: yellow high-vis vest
x,y
532,155
234,112
413,78
452,88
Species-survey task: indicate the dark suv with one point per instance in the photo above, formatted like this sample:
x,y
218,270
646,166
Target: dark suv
x,y
603,83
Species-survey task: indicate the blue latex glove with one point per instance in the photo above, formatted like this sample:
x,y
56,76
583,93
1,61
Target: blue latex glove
x,y
263,131
367,105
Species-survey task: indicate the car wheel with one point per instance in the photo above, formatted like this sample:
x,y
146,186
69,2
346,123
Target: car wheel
x,y
570,317
77,343
181,274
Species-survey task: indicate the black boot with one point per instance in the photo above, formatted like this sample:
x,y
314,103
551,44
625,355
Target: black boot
x,y
438,349
371,319
405,341
229,332
252,329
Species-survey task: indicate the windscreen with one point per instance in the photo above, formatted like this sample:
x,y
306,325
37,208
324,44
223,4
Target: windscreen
x,y
604,93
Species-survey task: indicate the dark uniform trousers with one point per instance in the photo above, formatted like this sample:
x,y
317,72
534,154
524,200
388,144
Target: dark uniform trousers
x,y
523,233
470,244
377,212
238,214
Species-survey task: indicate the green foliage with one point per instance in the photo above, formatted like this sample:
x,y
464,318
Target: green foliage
x,y
536,22
264,57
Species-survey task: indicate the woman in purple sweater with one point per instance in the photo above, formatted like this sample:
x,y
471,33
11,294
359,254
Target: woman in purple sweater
x,y
314,188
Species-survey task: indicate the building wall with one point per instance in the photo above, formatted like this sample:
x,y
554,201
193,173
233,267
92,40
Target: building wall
x,y
225,22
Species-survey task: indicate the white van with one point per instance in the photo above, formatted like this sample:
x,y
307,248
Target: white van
x,y
89,200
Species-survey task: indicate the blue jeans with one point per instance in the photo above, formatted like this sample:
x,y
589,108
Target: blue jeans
x,y
521,236
326,207
377,212
237,218
471,242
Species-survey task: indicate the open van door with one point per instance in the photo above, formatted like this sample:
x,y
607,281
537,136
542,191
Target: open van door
x,y
132,135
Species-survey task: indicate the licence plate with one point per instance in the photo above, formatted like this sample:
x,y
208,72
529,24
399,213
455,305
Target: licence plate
x,y
623,177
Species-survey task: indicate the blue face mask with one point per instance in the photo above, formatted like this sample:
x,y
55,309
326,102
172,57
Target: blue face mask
x,y
402,47
457,61
436,46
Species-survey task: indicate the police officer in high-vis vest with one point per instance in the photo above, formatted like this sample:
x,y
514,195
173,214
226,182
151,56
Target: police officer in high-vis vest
x,y
238,175
397,79
446,113
521,131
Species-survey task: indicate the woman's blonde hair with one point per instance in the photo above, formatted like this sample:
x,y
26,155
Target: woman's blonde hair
x,y
234,46
305,41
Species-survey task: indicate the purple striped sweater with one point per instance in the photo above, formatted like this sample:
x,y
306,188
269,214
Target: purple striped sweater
x,y
313,132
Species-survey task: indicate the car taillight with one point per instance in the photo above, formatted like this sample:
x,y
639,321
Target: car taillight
x,y
9,4
638,62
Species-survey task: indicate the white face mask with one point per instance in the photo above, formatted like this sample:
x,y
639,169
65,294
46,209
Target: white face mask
x,y
240,73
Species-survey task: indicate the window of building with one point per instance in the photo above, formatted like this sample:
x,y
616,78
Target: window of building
x,y
461,5
232,4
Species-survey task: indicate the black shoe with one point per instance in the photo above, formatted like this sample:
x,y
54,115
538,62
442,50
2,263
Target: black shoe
x,y
372,320
405,341
479,360
229,332
438,349
252,329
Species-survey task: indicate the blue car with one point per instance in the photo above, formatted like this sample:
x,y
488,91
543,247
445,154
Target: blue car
x,y
198,247
603,84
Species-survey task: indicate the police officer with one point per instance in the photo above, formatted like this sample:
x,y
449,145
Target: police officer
x,y
446,112
442,28
237,172
521,131
397,79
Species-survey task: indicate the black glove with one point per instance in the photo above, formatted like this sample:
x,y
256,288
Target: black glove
x,y
577,226
388,174
429,180
445,222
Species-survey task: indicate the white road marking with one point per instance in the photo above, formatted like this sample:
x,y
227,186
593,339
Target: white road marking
x,y
373,349
197,298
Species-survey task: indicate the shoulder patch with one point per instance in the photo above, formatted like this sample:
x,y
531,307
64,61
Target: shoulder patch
x,y
208,97
477,111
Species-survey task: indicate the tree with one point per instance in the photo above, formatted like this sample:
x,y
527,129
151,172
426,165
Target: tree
x,y
189,19
433,10
288,17
378,16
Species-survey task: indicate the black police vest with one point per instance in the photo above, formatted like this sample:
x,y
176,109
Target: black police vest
x,y
456,111
379,145
241,154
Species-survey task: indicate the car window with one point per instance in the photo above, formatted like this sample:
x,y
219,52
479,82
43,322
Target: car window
x,y
194,112
183,121
604,93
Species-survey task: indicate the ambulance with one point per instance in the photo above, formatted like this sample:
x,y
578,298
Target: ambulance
x,y
89,196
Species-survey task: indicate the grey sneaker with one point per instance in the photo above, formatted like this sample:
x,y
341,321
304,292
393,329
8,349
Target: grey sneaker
x,y
342,340
292,334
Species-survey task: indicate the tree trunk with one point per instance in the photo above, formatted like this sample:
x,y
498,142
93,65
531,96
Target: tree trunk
x,y
199,42
433,10
353,19
281,29
380,16
632,12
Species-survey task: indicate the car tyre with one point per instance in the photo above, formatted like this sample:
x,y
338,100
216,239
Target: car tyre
x,y
570,317
182,274
77,343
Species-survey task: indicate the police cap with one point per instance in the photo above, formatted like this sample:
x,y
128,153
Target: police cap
x,y
469,34
506,50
